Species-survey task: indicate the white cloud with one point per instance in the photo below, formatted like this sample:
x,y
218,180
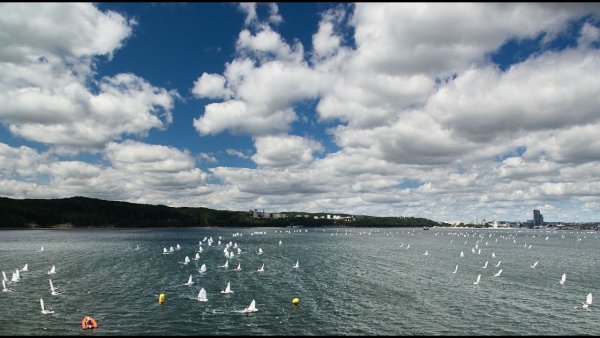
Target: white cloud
x,y
211,86
284,151
47,59
236,153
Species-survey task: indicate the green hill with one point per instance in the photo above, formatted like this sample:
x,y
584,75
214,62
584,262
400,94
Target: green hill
x,y
81,212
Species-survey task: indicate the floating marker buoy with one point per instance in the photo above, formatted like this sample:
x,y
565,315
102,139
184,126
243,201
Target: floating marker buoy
x,y
296,301
161,298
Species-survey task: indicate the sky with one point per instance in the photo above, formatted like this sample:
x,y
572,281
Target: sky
x,y
448,111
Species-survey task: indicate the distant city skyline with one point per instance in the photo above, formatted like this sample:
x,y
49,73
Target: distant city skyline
x,y
447,111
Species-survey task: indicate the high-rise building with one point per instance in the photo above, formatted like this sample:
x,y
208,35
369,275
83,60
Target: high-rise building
x,y
538,218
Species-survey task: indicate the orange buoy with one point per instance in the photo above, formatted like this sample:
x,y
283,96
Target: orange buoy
x,y
88,323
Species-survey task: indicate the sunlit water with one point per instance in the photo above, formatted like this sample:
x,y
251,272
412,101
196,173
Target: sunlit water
x,y
351,281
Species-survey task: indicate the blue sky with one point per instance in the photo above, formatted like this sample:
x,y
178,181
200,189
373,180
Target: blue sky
x,y
454,112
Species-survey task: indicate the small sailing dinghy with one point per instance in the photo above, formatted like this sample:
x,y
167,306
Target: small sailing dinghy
x,y
296,266
202,296
53,291
563,278
227,289
52,270
44,311
478,279
588,301
262,268
202,268
189,282
251,307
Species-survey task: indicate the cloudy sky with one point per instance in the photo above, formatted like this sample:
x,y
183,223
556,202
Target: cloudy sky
x,y
448,111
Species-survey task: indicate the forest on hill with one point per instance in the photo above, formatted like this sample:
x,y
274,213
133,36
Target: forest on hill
x,y
82,212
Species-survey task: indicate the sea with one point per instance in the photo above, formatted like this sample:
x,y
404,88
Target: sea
x,y
350,281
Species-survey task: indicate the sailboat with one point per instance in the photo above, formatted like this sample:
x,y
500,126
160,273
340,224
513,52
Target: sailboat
x,y
477,281
239,251
171,249
239,267
189,282
588,301
262,268
227,289
25,268
4,276
493,255
202,268
485,265
498,273
202,295
52,290
226,265
165,252
4,289
426,253
42,249
563,279
52,270
44,311
534,265
186,260
178,247
498,264
197,257
137,247
251,307
296,266
231,254
280,243
462,254
260,252
455,269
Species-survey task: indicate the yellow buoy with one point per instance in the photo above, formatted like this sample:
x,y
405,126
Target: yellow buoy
x,y
296,301
161,298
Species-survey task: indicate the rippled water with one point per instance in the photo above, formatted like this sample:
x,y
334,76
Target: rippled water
x,y
350,282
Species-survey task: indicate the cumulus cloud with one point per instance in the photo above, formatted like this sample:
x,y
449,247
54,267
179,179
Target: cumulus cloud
x,y
284,151
47,58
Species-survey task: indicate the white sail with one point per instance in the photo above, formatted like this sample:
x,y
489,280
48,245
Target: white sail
x,y
42,249
4,276
239,251
52,289
44,311
197,256
228,288
279,242
231,254
203,268
4,289
189,282
498,264
52,270
186,260
462,254
262,268
588,300
239,267
25,268
498,273
485,265
478,279
296,266
260,251
171,249
165,251
202,295
178,247
455,269
251,307
426,253
563,278
137,247
493,255
534,264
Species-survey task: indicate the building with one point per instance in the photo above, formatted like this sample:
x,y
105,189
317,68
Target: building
x,y
538,218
